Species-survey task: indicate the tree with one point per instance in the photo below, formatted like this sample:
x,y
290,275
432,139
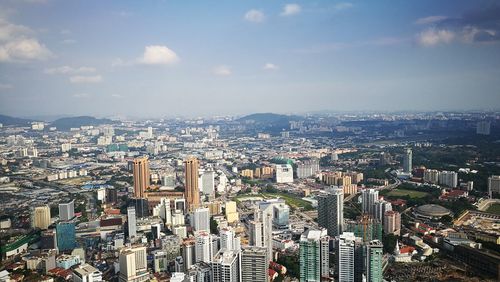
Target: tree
x,y
389,242
214,226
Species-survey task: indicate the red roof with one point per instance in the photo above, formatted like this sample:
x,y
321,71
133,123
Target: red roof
x,y
406,250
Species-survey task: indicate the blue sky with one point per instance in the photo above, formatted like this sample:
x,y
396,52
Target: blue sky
x,y
199,58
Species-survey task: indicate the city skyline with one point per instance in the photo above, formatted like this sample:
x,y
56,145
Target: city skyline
x,y
225,58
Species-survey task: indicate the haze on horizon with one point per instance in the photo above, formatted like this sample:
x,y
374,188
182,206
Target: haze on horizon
x,y
167,58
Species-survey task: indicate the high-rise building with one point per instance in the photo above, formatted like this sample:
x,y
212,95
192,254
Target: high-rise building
x,y
254,264
111,195
232,214
141,206
331,211
201,219
131,223
392,222
133,264
40,217
203,248
199,272
448,178
281,215
365,227
494,185
407,161
208,182
191,183
431,176
66,236
188,252
380,208
368,199
314,255
284,173
261,230
141,176
347,248
373,253
164,211
226,266
67,211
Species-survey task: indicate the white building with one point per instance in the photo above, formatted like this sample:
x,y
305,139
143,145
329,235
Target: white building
x,y
133,265
284,173
201,219
203,248
448,178
226,266
67,211
86,273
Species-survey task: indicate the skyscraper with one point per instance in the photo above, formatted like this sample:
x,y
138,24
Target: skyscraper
x,y
66,236
191,183
261,230
314,255
133,264
201,219
40,217
331,211
67,211
203,248
254,264
141,176
365,227
392,222
373,253
346,248
368,199
226,266
407,161
131,223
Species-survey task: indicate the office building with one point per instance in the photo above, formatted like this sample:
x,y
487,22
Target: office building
x,y
347,248
131,223
392,222
254,264
191,183
226,266
231,212
133,264
141,176
188,247
40,217
203,248
66,236
201,219
331,211
86,273
67,211
141,206
314,255
284,173
261,230
494,185
368,199
407,161
208,182
281,215
373,251
111,195
199,272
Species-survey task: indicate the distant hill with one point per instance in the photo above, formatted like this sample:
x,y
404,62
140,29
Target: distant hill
x,y
73,122
8,120
269,122
269,118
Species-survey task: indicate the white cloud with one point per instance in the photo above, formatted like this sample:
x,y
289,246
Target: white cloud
x,y
69,70
23,49
270,66
342,6
85,79
116,96
6,86
431,37
158,55
430,20
81,95
17,44
68,41
255,16
291,9
222,70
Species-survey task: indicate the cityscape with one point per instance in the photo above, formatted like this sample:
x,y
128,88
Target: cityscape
x,y
174,167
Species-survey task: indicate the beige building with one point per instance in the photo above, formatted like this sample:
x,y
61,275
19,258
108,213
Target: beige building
x,y
133,264
41,217
141,176
192,189
232,212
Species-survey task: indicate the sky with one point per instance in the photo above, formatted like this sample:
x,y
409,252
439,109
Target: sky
x,y
201,58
